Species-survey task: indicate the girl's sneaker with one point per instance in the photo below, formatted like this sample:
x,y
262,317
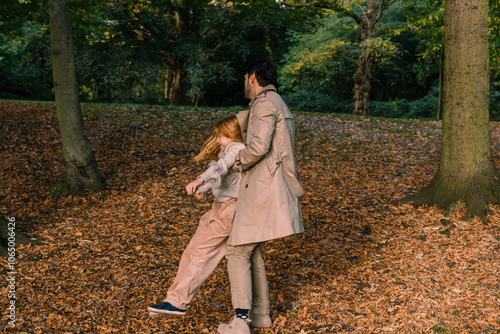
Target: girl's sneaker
x,y
164,308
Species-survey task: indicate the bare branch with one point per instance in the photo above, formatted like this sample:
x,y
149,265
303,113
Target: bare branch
x,y
363,11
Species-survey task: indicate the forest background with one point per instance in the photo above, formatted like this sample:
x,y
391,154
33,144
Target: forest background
x,y
195,53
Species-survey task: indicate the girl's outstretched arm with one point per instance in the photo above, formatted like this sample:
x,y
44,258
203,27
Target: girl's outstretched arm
x,y
220,167
191,187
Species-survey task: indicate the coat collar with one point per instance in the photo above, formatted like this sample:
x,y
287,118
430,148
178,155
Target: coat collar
x,y
263,93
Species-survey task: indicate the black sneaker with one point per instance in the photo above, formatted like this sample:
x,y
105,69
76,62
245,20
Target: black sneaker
x,y
165,308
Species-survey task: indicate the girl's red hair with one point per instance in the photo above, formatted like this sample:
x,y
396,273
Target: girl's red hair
x,y
228,127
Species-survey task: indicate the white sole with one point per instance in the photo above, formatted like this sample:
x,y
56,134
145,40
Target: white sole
x,y
155,313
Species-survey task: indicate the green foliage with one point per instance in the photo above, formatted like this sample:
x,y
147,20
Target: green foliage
x,y
395,78
426,20
209,41
317,102
15,13
321,58
202,73
125,51
495,105
425,107
25,63
114,73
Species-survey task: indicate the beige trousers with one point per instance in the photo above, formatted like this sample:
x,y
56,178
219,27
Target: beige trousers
x,y
203,253
247,274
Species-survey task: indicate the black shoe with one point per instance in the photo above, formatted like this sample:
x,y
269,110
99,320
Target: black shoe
x,y
165,308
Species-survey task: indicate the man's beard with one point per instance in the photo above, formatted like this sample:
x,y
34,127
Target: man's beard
x,y
248,91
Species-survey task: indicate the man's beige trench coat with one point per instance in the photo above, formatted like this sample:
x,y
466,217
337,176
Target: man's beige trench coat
x,y
268,205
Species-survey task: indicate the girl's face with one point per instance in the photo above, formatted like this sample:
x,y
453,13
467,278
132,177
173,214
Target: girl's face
x,y
223,141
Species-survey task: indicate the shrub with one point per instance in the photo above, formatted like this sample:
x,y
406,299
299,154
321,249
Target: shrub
x,y
390,109
495,105
425,107
317,102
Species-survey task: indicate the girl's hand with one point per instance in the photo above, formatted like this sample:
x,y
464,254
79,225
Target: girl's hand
x,y
191,188
199,195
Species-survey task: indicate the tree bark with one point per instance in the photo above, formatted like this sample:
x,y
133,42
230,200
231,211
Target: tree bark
x,y
176,88
364,63
181,15
467,172
440,95
81,166
362,85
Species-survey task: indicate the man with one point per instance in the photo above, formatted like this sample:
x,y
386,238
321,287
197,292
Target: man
x,y
268,205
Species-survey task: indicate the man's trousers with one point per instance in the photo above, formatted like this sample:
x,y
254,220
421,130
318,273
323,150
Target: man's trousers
x,y
247,274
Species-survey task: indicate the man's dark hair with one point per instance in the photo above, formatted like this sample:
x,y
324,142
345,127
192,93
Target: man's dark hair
x,y
265,72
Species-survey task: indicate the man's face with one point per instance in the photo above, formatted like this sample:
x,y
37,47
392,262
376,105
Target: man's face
x,y
248,87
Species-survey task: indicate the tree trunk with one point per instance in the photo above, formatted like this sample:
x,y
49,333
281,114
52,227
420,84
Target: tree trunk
x,y
176,88
168,80
467,172
362,85
440,95
81,166
182,22
364,63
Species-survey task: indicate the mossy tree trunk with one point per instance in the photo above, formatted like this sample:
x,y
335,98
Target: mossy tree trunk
x,y
467,172
81,166
364,63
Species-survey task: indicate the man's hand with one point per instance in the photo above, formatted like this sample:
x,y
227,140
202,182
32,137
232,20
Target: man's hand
x,y
191,187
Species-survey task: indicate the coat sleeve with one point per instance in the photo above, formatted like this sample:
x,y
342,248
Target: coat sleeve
x,y
263,126
230,158
212,176
205,187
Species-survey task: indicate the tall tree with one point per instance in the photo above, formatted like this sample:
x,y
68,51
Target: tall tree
x,y
366,13
81,166
467,172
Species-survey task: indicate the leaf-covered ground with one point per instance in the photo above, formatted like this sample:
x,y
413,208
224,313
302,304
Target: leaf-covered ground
x,y
363,265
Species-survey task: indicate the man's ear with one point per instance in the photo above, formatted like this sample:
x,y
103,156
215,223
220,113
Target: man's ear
x,y
252,78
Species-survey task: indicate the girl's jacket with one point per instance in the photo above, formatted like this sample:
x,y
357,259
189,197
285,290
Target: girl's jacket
x,y
223,186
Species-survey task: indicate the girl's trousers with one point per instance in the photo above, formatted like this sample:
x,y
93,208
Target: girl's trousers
x,y
203,253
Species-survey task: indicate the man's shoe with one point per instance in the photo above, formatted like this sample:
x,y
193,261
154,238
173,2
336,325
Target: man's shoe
x,y
260,320
165,308
236,326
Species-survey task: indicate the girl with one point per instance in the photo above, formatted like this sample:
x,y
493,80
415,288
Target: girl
x,y
207,247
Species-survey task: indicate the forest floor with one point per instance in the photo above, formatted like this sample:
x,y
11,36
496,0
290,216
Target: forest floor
x,y
363,264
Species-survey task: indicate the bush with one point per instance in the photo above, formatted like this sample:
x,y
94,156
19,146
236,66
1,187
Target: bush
x,y
495,105
391,109
425,107
317,102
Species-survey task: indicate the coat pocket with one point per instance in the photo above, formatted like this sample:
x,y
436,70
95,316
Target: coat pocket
x,y
273,164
